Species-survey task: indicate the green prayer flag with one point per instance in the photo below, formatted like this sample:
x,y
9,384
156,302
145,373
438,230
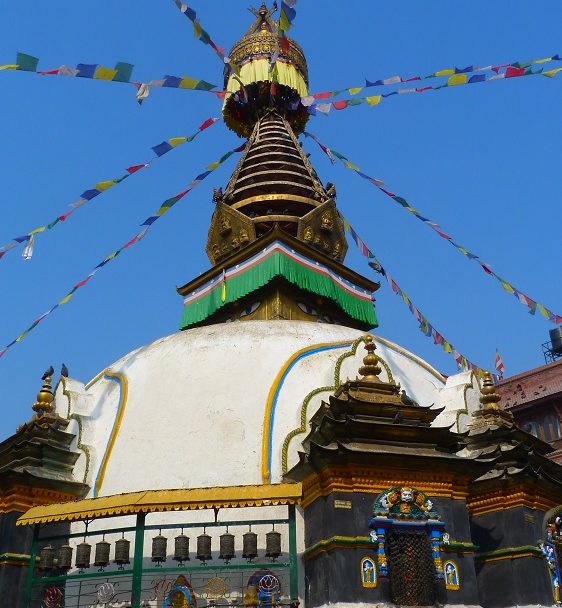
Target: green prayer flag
x,y
26,63
124,71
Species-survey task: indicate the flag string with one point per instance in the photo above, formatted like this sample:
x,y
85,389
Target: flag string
x,y
455,80
145,226
101,187
425,326
532,304
455,72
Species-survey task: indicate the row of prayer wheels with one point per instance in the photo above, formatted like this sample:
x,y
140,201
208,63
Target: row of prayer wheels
x,y
50,559
226,547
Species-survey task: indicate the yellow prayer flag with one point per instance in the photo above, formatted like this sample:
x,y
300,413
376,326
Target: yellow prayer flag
x,y
545,60
20,337
65,299
373,100
447,347
355,90
350,166
176,141
457,79
445,72
9,66
102,186
197,29
213,166
38,230
552,73
188,83
104,73
507,287
543,311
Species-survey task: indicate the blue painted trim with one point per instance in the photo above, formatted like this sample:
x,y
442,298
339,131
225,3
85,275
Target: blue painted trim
x,y
314,351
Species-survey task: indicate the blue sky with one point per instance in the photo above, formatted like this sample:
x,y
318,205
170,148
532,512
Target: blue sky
x,y
482,161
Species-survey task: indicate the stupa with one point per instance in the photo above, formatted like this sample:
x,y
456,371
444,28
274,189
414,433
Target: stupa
x,y
274,451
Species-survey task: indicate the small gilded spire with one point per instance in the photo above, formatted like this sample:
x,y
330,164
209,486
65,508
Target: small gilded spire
x,y
370,368
44,403
489,398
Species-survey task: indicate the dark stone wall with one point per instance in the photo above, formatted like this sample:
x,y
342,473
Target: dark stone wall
x,y
18,539
335,576
514,582
13,540
517,581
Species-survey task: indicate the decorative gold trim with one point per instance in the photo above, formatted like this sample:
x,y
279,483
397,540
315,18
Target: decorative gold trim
x,y
151,501
337,381
265,471
304,407
20,498
83,448
371,480
275,197
121,380
276,218
521,495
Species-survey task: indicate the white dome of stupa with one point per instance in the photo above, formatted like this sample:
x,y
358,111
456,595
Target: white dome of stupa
x,y
225,404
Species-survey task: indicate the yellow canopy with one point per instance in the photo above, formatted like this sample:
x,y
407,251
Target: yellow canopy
x,y
150,501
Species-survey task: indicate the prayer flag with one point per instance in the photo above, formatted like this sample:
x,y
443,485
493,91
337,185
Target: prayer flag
x,y
499,364
26,63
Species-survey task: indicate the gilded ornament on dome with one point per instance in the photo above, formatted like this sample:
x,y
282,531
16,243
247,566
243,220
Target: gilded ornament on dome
x,y
225,225
244,238
308,234
234,243
326,222
337,249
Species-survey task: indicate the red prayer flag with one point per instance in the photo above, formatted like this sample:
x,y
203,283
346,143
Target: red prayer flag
x,y
207,124
340,105
512,72
135,168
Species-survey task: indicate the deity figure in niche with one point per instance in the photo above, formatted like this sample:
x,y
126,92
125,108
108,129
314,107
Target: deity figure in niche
x,y
451,576
368,573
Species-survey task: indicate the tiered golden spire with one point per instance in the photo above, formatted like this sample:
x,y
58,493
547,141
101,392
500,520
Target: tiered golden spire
x,y
44,403
370,369
489,398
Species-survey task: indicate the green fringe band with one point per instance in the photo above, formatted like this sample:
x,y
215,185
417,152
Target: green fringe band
x,y
278,265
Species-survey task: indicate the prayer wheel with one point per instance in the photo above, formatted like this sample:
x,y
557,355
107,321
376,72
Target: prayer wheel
x,y
159,548
273,544
83,552
227,546
249,545
181,549
204,548
101,557
46,558
65,557
122,548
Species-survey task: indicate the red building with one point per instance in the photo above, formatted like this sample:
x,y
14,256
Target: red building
x,y
534,397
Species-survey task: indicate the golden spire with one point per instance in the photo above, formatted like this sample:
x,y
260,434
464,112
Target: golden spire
x,y
370,368
489,398
44,403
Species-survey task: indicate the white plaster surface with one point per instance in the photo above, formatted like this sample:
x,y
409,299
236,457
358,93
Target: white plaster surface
x,y
194,416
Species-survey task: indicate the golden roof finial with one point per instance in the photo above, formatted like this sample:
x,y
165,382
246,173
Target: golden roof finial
x,y
370,368
489,398
44,403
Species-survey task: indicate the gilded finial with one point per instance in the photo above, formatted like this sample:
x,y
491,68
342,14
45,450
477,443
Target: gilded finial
x,y
44,403
370,368
489,398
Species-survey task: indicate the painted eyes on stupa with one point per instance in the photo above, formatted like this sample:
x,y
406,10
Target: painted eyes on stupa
x,y
250,309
